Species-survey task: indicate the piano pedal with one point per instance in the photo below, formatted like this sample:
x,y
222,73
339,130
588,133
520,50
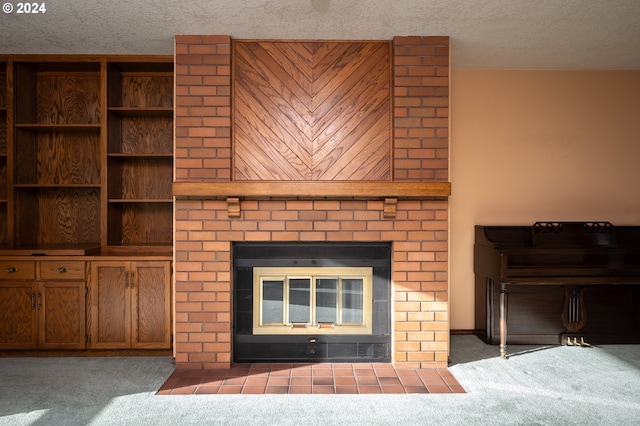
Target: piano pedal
x,y
583,343
569,341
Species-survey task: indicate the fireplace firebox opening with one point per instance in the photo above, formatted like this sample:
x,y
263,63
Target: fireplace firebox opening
x,y
321,300
312,302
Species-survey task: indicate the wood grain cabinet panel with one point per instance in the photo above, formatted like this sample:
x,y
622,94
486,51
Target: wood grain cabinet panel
x,y
130,305
61,312
42,314
151,305
18,319
110,301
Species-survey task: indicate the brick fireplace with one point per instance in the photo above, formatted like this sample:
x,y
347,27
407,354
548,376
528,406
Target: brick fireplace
x,y
214,209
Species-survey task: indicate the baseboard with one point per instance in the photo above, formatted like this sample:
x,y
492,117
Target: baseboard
x,y
462,332
85,353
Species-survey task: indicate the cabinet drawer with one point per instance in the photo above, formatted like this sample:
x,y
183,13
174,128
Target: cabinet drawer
x,y
19,270
62,270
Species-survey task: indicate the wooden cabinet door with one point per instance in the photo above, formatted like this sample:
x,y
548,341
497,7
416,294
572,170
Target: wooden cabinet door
x,y
61,313
18,315
150,311
110,305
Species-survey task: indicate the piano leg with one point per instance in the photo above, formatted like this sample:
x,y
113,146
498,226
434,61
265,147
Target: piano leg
x,y
504,302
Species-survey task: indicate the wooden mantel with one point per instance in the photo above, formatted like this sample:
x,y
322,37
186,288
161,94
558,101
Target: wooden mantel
x,y
311,189
390,192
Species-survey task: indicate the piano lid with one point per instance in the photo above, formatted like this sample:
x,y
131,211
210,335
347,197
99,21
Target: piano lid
x,y
554,234
559,235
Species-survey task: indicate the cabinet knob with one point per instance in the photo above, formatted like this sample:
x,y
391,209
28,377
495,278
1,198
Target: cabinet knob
x,y
11,270
62,269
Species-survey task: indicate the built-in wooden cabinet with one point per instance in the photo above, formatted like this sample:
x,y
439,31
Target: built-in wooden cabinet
x,y
86,170
42,305
130,305
86,153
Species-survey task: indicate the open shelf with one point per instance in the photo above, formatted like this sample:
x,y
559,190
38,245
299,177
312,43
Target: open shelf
x,y
140,154
140,135
86,152
140,223
140,86
56,153
57,93
140,178
57,216
57,158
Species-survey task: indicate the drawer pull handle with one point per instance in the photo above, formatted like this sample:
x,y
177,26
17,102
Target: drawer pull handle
x,y
11,270
62,269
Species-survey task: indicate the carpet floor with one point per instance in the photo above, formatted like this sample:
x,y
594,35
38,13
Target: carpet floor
x,y
537,385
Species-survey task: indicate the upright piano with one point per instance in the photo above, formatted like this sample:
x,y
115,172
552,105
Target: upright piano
x,y
573,283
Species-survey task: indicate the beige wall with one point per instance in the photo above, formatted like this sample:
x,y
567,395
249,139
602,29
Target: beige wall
x,y
538,145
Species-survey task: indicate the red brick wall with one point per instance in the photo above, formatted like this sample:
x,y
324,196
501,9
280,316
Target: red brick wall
x,y
204,232
421,108
202,108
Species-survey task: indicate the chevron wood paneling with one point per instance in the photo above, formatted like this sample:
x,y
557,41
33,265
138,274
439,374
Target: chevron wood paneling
x,y
311,110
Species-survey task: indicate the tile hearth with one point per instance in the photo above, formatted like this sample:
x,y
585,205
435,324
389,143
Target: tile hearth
x,y
326,378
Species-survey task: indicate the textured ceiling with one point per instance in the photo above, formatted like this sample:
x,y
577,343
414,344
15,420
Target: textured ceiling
x,y
511,34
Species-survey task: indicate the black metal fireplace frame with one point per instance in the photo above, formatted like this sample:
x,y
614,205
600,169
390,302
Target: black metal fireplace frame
x,y
247,347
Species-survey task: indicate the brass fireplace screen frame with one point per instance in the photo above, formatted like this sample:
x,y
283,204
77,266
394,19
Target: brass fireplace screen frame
x,y
320,291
